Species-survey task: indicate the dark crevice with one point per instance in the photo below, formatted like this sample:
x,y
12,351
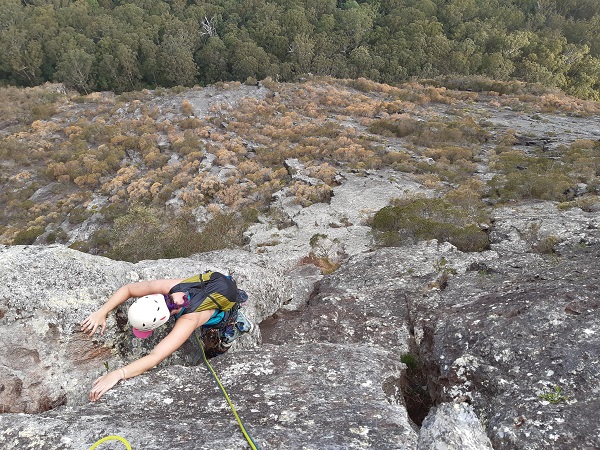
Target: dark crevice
x,y
47,403
415,383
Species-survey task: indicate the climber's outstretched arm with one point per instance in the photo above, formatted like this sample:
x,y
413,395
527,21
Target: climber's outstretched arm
x,y
98,318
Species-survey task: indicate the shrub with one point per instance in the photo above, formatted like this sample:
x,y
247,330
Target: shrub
x,y
529,185
401,126
78,215
58,235
307,195
81,246
136,235
423,219
449,154
322,262
28,236
12,149
152,233
43,111
546,245
190,123
458,132
525,177
554,395
186,108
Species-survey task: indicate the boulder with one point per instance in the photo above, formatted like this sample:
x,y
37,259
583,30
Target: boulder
x,y
453,426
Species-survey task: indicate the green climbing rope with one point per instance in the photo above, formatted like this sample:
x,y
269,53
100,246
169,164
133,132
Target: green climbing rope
x,y
112,438
253,445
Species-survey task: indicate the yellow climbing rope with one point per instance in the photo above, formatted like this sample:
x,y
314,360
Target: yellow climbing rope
x,y
253,445
112,438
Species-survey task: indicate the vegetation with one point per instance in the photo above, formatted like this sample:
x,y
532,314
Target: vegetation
x,y
99,45
323,253
415,219
415,388
169,237
159,167
554,396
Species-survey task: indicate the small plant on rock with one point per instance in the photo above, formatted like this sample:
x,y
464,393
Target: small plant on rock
x,y
322,253
553,396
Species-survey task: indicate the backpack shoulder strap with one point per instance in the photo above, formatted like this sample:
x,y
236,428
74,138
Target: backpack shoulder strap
x,y
197,281
200,278
220,289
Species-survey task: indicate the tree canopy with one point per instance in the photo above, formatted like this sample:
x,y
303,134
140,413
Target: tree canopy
x,y
125,45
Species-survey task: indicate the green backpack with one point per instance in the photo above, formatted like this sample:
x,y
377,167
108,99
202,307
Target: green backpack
x,y
220,290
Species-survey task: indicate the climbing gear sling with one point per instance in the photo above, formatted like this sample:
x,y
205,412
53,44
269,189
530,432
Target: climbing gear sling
x,y
111,438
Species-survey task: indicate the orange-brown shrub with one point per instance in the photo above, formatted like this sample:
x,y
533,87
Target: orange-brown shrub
x,y
186,108
449,155
307,195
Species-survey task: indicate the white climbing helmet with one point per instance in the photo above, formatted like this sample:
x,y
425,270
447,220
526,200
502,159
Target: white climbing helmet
x,y
148,313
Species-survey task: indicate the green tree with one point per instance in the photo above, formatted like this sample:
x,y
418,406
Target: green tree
x,y
302,52
495,65
12,14
354,24
75,70
148,57
175,61
362,63
247,60
20,56
584,78
294,22
212,61
116,68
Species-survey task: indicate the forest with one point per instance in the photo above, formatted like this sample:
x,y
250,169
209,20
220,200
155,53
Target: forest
x,y
128,45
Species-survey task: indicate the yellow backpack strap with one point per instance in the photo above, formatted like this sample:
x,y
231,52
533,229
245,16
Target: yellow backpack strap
x,y
194,279
203,277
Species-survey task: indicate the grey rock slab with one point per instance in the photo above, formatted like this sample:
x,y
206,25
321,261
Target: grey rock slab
x,y
558,129
517,228
205,99
505,338
312,397
500,334
344,220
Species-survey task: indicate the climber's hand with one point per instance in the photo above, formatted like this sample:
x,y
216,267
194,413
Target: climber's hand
x,y
92,322
104,383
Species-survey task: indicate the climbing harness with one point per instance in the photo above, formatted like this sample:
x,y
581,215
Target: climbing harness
x,y
253,445
112,438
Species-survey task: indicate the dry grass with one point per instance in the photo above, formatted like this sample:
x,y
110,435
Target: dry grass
x,y
60,151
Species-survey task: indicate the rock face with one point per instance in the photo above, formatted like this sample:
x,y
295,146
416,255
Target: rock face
x,y
419,347
519,342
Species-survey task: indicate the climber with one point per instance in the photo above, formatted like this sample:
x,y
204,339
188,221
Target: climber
x,y
209,301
